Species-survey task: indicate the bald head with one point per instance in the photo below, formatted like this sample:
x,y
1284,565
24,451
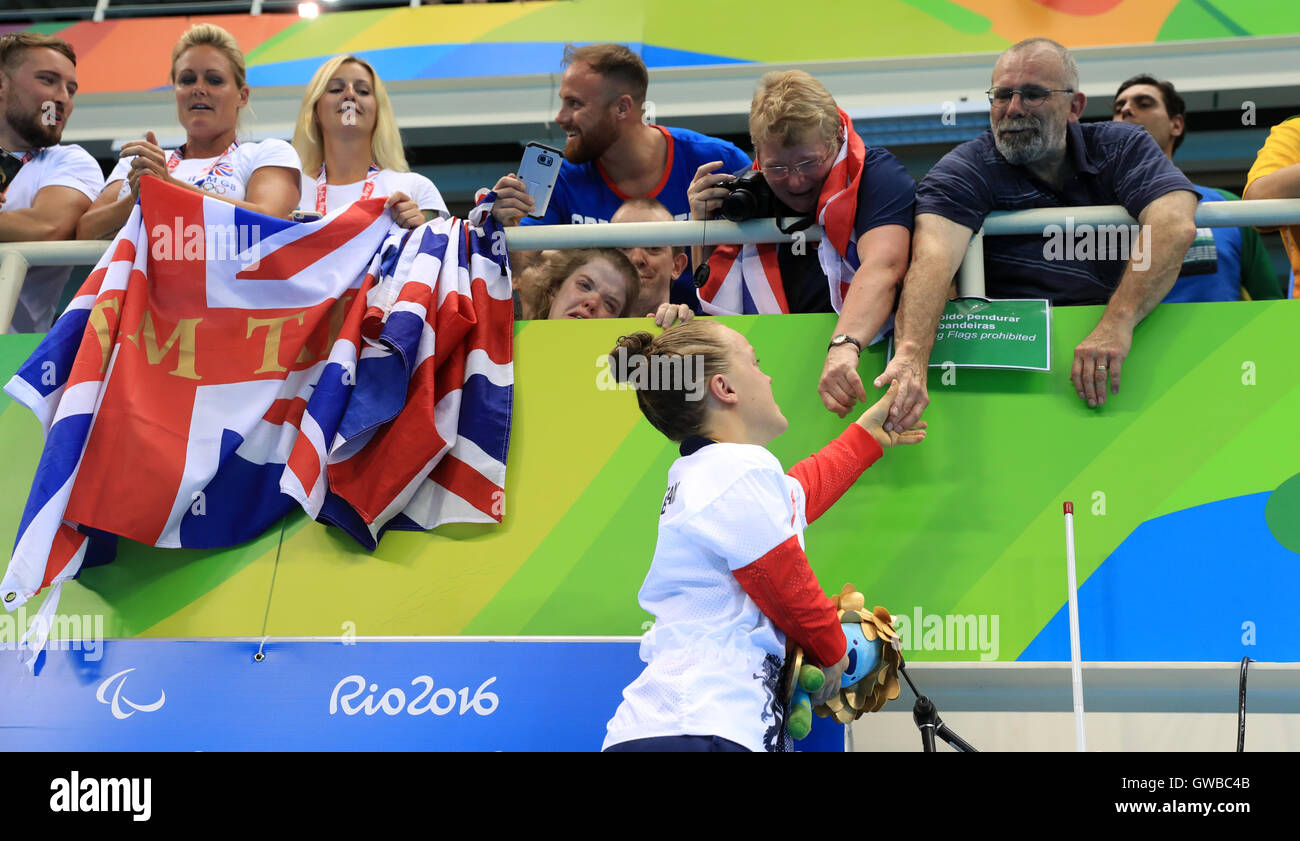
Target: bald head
x,y
1040,57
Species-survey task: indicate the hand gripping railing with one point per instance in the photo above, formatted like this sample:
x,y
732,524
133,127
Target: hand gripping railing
x,y
16,257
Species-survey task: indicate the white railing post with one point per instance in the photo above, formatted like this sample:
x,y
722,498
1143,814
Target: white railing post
x,y
970,274
13,271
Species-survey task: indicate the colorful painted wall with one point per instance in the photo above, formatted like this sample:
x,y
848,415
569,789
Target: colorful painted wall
x,y
432,42
1186,487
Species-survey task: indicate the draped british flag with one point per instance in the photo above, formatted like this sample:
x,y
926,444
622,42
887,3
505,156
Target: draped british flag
x,y
425,437
196,386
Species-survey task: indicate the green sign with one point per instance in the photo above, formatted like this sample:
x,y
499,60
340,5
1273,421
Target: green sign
x,y
978,333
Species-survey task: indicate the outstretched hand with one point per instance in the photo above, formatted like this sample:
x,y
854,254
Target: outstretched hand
x,y
909,375
873,421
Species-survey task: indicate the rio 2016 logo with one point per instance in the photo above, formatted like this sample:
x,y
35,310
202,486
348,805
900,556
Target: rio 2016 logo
x,y
393,701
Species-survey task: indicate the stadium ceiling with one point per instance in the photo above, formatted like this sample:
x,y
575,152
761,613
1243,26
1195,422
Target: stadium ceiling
x,y
1223,75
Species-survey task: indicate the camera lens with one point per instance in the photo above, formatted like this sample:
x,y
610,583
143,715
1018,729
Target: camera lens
x,y
739,206
546,160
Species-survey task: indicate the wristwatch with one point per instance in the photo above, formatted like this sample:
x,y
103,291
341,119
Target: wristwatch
x,y
844,338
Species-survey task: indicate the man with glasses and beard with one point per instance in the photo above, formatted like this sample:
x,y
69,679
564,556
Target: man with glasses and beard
x,y
45,187
1037,154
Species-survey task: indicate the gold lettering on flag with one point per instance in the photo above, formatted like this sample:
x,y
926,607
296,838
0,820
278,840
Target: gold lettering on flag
x,y
271,349
184,333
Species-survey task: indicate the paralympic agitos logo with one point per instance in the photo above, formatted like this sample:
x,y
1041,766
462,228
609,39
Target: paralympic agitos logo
x,y
117,682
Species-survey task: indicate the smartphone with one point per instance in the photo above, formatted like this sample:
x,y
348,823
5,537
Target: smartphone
x,y
9,166
538,170
306,216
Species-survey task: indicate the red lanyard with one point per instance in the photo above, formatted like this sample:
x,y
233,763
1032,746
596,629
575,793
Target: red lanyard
x,y
366,190
174,160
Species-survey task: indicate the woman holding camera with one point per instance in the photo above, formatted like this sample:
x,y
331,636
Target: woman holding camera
x,y
208,80
813,163
350,147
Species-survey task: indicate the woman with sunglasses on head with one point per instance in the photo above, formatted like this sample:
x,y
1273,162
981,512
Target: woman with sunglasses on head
x,y
208,78
351,148
729,581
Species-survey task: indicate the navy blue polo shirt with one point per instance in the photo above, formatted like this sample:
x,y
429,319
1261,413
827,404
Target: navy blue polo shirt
x,y
1114,163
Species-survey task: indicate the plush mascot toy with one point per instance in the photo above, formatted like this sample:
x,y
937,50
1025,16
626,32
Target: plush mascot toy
x,y
870,680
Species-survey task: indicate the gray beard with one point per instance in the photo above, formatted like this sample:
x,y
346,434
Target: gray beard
x,y
1028,147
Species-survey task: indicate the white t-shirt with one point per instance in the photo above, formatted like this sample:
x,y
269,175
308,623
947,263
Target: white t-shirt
x,y
387,182
713,658
55,166
230,177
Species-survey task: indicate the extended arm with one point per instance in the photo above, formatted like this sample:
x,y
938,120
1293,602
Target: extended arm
x,y
938,246
1168,228
827,474
882,255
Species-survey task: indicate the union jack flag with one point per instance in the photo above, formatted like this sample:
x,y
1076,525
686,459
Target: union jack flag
x,y
199,383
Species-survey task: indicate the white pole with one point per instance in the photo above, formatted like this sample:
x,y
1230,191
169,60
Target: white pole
x,y
1076,659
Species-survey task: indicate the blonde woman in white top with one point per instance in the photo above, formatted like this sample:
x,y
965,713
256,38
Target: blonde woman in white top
x,y
350,147
208,78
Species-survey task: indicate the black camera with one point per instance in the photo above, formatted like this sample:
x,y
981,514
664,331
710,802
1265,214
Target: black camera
x,y
545,160
750,198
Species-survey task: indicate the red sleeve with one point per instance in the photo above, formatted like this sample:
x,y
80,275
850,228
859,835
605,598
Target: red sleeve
x,y
783,586
826,475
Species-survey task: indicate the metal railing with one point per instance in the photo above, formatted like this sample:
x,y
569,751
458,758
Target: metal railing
x,y
16,257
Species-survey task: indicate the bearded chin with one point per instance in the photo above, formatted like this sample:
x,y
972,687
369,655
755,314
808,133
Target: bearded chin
x,y
1021,151
33,132
576,151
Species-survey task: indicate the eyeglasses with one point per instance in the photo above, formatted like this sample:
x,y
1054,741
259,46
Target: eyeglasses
x,y
804,168
1031,97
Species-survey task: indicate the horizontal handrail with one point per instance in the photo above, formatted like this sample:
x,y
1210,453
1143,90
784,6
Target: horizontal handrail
x,y
16,257
1262,213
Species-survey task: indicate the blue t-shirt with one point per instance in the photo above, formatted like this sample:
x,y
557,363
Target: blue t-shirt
x,y
1212,267
584,195
1115,163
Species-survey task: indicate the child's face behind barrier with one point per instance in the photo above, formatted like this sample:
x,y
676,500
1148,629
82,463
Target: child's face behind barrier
x,y
594,290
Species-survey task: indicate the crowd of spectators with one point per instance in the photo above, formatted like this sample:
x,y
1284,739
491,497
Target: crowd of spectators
x,y
886,261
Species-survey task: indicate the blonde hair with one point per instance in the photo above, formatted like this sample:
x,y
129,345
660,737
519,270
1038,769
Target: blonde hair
x,y
671,407
211,35
385,143
787,105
